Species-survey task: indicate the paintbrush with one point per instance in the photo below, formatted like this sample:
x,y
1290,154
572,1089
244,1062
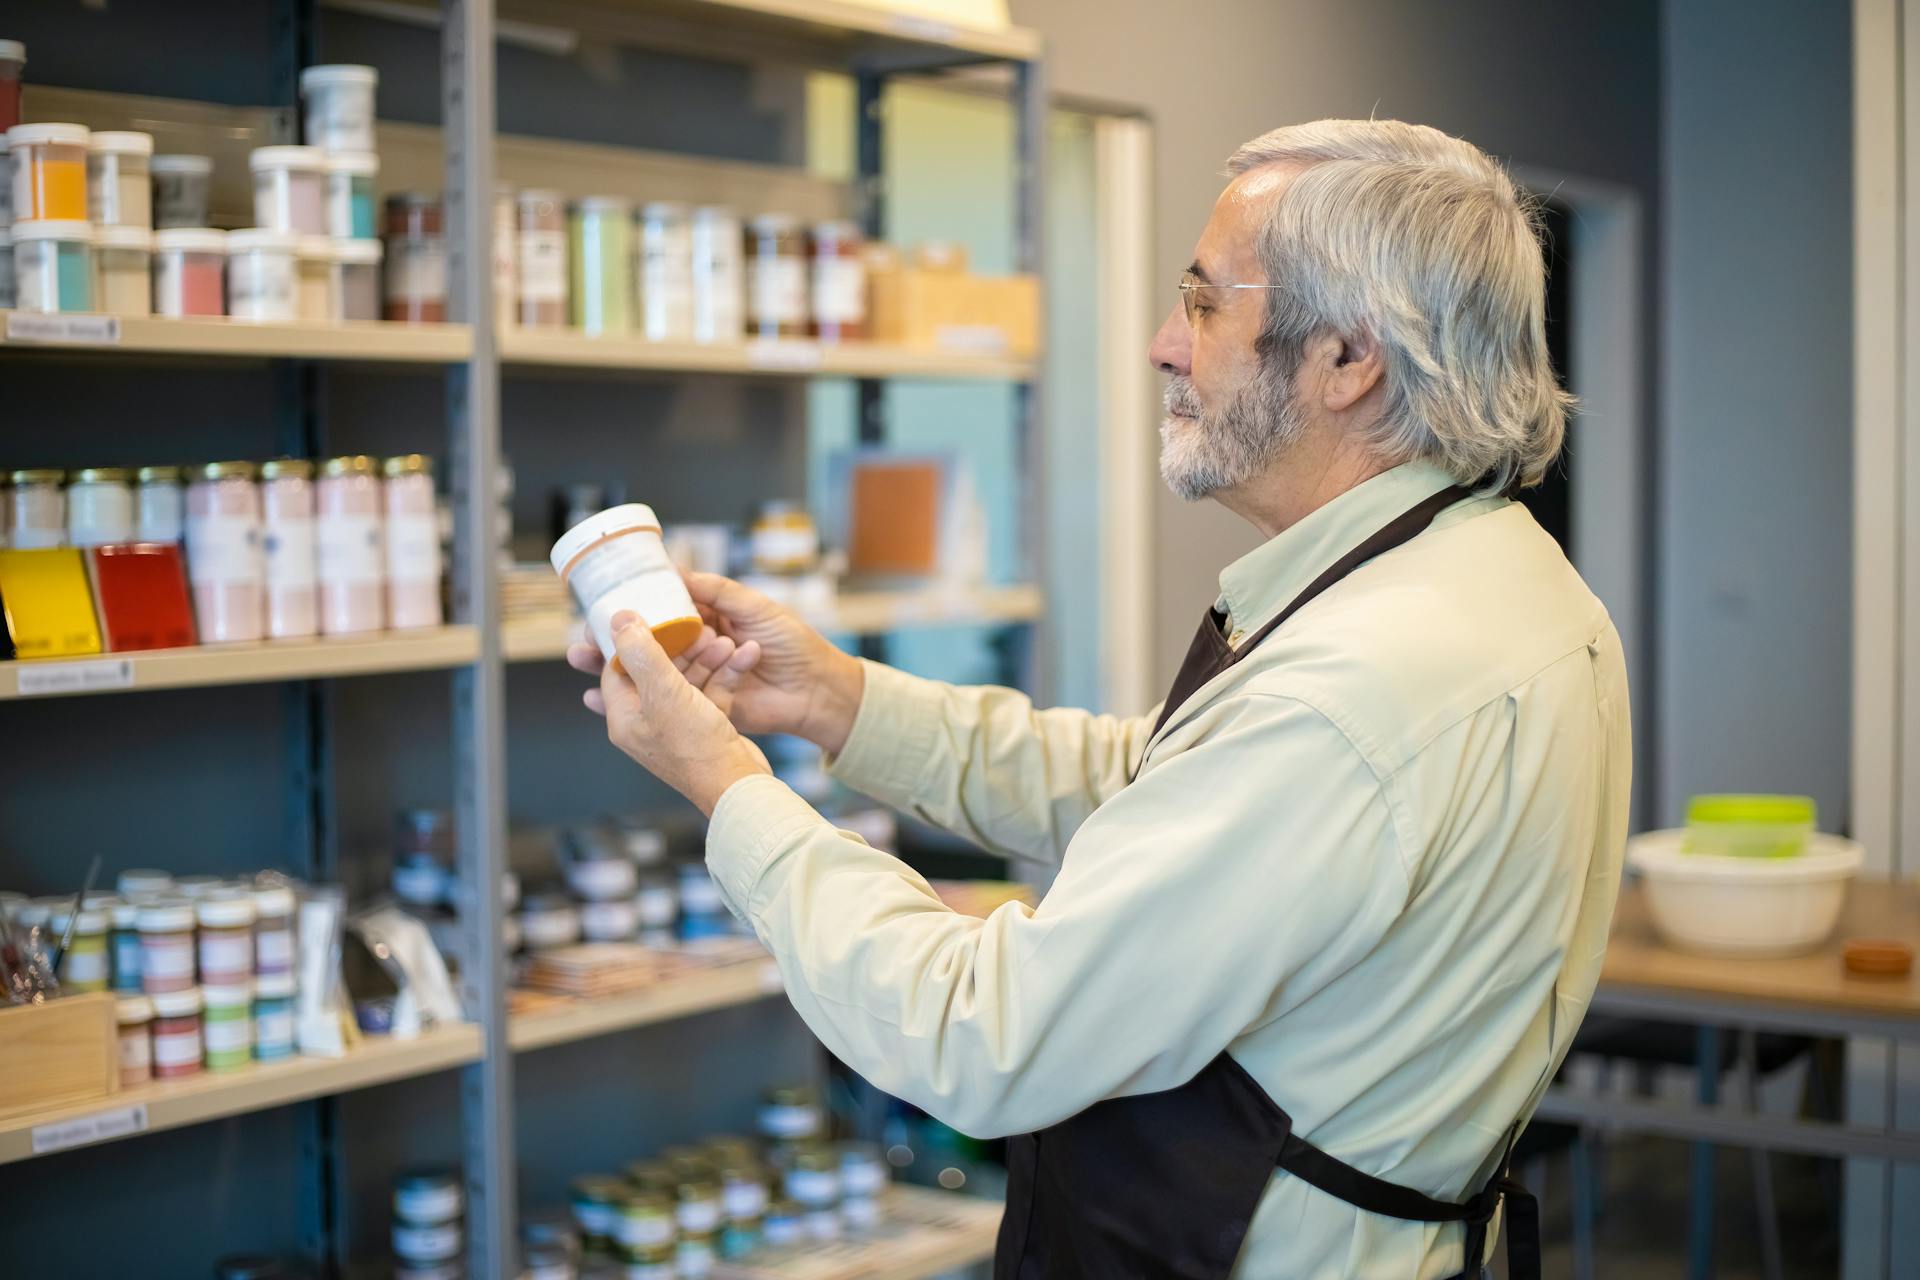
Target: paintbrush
x,y
73,916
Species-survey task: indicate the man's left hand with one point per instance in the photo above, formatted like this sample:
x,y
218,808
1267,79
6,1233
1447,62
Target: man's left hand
x,y
659,716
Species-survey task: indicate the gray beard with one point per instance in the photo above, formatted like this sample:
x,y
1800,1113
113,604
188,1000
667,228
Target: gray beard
x,y
1202,453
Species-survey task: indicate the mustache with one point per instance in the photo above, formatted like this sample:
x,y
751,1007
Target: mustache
x,y
1180,397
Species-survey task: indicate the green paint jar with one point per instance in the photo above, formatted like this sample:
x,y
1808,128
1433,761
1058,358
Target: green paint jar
x,y
53,266
227,1026
601,229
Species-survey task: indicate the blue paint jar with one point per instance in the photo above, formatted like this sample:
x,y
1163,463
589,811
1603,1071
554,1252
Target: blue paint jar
x,y
123,948
53,266
273,1016
350,178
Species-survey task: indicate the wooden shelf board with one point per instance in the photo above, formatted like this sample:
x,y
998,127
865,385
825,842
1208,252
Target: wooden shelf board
x,y
224,664
216,337
174,1104
564,348
679,997
536,637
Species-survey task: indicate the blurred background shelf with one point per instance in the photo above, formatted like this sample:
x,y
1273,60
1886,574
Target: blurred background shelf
x,y
202,665
173,1104
563,348
924,1233
219,337
563,1020
535,637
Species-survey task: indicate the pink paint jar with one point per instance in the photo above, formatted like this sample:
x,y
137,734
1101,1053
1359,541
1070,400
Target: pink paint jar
x,y
290,189
293,596
352,557
189,272
166,945
134,1016
413,544
176,1034
224,560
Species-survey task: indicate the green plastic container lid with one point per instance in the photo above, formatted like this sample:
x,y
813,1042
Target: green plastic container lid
x,y
1750,810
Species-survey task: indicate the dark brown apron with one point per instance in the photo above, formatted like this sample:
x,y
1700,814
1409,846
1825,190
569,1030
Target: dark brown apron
x,y
1166,1184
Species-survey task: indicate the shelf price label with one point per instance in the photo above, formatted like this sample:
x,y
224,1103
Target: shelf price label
x,y
101,1126
931,30
42,678
68,330
783,355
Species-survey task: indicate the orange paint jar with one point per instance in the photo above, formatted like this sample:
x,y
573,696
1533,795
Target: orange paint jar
x,y
50,172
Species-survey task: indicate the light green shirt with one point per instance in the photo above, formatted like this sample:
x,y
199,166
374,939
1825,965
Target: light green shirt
x,y
1375,861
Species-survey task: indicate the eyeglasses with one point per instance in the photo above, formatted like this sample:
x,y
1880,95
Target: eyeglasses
x,y
1191,287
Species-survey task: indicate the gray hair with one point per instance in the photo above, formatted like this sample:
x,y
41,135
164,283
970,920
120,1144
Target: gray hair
x,y
1423,242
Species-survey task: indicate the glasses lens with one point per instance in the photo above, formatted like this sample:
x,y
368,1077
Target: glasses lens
x,y
1189,295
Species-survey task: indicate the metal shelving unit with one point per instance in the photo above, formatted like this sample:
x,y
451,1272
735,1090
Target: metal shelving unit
x,y
475,646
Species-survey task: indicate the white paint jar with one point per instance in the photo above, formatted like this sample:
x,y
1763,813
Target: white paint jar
x,y
290,189
262,280
119,181
615,562
339,106
313,280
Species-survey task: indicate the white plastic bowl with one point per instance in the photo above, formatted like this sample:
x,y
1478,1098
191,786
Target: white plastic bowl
x,y
1744,906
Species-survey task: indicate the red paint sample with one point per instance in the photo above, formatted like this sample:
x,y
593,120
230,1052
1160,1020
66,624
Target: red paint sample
x,y
141,589
200,287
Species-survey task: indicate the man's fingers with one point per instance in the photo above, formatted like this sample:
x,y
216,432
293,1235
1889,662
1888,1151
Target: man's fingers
x,y
585,658
595,700
724,596
713,657
638,651
691,654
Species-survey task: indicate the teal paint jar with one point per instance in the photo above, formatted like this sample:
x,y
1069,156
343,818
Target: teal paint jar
x,y
273,1017
53,266
350,178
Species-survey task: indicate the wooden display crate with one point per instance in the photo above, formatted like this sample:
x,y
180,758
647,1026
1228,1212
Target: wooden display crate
x,y
58,1054
954,311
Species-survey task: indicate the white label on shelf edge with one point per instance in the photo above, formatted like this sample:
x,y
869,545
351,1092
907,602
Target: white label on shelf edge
x,y
74,677
919,28
101,1126
103,331
783,355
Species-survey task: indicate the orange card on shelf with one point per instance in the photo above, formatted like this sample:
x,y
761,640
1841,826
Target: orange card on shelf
x,y
48,603
893,524
141,589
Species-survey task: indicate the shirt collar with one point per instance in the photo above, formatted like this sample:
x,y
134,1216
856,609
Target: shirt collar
x,y
1259,584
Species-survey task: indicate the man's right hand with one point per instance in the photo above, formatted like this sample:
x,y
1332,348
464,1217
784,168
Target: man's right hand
x,y
796,683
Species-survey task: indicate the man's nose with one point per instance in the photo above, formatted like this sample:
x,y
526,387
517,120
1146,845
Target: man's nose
x,y
1172,348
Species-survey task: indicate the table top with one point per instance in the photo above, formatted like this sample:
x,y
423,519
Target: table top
x,y
1638,959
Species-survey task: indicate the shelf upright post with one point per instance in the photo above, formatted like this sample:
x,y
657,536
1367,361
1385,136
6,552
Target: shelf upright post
x,y
871,189
1033,110
479,690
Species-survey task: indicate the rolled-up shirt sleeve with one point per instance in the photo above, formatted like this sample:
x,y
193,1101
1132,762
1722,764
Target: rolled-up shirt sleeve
x,y
1224,885
984,763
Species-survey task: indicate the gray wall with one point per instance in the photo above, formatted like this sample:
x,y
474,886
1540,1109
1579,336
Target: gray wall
x,y
1573,88
1754,604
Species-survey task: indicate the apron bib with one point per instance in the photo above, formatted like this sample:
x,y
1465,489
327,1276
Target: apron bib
x,y
1166,1184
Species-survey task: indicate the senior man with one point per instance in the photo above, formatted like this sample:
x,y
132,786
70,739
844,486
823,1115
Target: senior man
x,y
1324,923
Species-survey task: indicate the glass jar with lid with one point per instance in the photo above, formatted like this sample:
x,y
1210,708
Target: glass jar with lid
x,y
600,250
663,270
351,548
541,245
286,490
839,283
413,543
100,507
416,257
647,1224
718,293
776,277
784,539
224,553
159,505
39,509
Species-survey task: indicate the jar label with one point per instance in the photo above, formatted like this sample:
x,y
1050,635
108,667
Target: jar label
x,y
543,266
340,118
289,553
785,546
136,1049
224,549
813,1186
646,1232
413,548
745,1199
274,1030
839,291
350,551
85,968
176,1048
777,287
274,947
416,271
171,958
600,1220
221,955
658,907
37,275
229,1035
665,287
697,1217
789,1122
614,562
260,286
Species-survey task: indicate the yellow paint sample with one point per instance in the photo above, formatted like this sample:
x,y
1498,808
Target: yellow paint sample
x,y
49,606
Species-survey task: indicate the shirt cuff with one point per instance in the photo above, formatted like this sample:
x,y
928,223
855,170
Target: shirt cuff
x,y
755,818
893,734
